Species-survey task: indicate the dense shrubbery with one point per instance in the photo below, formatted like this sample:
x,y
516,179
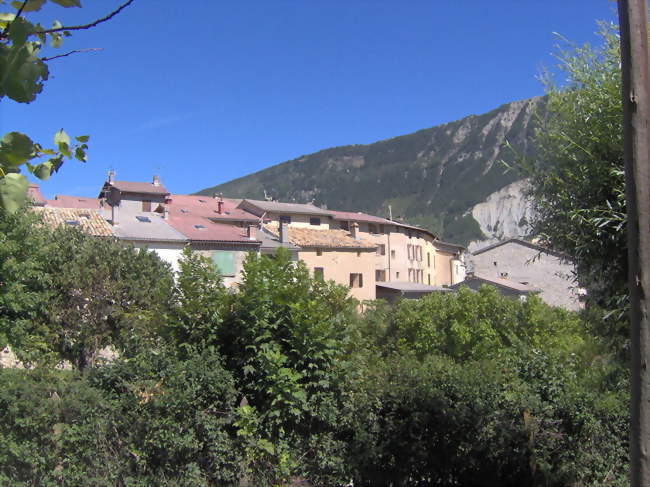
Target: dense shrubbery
x,y
284,380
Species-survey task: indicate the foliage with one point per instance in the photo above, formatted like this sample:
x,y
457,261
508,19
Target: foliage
x,y
101,290
24,70
479,325
577,178
283,340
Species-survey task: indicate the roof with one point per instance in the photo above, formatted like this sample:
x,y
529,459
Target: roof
x,y
34,192
521,242
451,246
88,221
505,283
412,287
198,229
63,201
205,206
138,187
271,241
146,226
359,217
309,237
277,207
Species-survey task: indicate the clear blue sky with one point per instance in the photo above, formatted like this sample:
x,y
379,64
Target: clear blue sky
x,y
206,91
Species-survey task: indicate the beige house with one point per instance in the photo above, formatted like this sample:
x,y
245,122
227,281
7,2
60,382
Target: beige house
x,y
333,255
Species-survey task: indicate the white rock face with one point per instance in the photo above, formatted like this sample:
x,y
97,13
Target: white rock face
x,y
503,214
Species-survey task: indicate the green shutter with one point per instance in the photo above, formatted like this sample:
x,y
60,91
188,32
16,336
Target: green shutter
x,y
224,261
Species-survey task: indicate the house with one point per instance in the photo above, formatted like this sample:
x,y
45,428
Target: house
x,y
333,254
87,220
449,262
505,286
519,261
394,291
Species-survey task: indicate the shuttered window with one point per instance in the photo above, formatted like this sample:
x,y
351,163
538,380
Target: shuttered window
x,y
224,261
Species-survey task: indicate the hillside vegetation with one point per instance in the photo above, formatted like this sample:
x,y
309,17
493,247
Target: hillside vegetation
x,y
432,177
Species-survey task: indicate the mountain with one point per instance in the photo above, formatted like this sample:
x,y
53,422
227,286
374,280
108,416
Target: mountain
x,y
433,177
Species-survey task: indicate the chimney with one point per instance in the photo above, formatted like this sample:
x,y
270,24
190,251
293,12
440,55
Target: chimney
x,y
251,232
156,180
220,207
284,232
115,209
165,212
355,230
111,176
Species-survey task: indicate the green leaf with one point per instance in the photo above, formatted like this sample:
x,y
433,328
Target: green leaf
x,y
30,6
80,154
13,191
43,171
82,138
16,148
60,137
68,3
19,31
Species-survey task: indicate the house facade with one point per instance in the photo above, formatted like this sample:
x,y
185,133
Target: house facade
x,y
529,264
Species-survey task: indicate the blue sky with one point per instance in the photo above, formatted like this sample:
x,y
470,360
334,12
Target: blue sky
x,y
207,91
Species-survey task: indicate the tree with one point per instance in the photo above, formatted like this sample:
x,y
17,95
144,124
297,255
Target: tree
x,y
577,180
23,71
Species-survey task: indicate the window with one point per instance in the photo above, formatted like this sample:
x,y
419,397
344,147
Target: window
x,y
380,275
392,254
314,221
429,279
146,205
356,280
397,275
285,219
319,273
184,210
429,260
381,229
72,223
344,226
358,254
224,261
410,275
372,228
319,252
199,227
381,249
143,219
420,253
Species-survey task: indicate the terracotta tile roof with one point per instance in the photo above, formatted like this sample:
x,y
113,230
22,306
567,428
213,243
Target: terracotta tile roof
x,y
197,228
88,221
208,207
309,237
138,187
359,217
34,192
63,201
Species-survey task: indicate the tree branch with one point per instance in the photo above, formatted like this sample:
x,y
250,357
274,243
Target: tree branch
x,y
5,31
75,51
92,24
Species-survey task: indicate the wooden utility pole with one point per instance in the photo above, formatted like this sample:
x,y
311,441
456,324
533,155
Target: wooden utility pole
x,y
633,20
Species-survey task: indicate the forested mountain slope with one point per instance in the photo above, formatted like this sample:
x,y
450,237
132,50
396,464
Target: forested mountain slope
x,y
433,177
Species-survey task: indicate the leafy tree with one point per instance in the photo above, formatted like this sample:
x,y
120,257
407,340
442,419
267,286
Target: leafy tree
x,y
577,183
101,290
23,71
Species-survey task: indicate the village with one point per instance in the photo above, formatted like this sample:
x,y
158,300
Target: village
x,y
377,258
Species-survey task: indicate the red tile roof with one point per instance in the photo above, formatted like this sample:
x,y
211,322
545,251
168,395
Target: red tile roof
x,y
197,228
64,201
183,205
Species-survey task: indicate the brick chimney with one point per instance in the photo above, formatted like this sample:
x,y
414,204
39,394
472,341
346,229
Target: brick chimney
x,y
220,207
156,180
354,230
284,232
251,231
